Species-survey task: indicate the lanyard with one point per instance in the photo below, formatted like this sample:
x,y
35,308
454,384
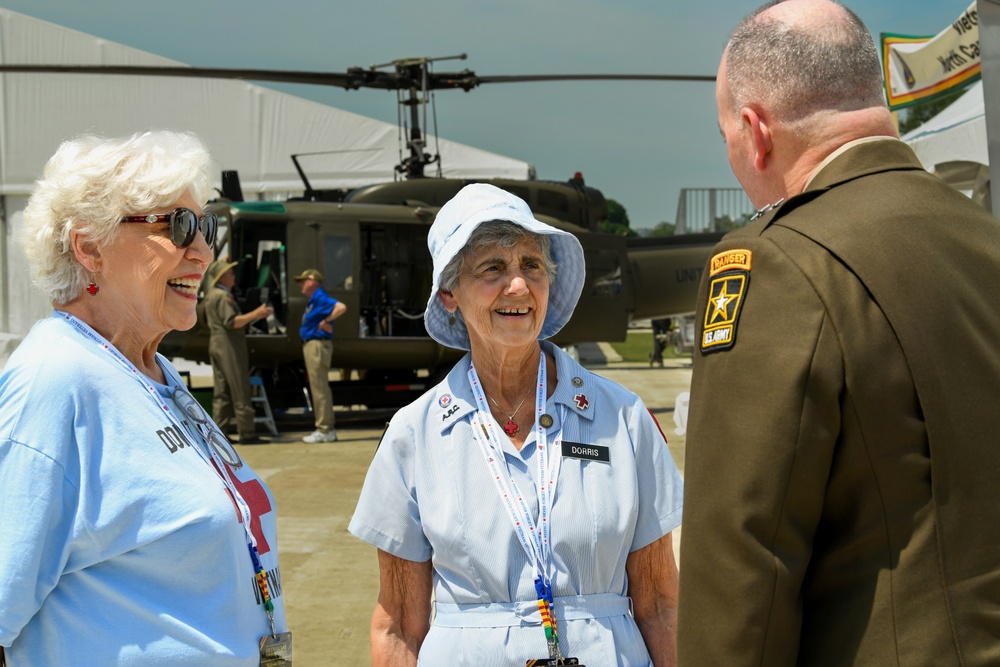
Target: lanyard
x,y
535,538
219,467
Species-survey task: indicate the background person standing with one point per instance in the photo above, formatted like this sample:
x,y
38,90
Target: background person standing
x,y
661,328
317,351
227,350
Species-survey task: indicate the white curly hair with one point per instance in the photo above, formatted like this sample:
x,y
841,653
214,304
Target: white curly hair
x,y
91,183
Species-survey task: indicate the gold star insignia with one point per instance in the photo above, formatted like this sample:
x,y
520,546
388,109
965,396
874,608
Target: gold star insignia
x,y
720,302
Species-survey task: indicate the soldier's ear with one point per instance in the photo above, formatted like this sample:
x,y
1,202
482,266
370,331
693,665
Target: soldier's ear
x,y
760,136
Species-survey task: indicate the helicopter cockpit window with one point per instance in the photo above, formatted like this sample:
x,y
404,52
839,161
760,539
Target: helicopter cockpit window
x,y
337,266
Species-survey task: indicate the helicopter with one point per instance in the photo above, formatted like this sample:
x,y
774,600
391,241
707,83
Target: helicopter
x,y
370,243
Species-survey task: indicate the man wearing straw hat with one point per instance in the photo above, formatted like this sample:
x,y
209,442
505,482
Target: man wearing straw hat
x,y
227,350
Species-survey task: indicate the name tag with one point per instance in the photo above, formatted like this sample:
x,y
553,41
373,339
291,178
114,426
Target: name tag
x,y
578,450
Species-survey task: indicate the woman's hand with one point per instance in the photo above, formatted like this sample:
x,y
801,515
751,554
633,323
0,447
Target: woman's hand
x,y
652,585
403,611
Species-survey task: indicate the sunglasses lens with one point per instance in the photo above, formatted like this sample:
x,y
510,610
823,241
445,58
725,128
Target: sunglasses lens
x,y
209,225
183,225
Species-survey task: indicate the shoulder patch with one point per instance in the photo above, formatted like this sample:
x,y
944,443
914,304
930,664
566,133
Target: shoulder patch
x,y
729,278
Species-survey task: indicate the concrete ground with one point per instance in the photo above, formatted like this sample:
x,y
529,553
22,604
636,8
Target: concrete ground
x,y
330,578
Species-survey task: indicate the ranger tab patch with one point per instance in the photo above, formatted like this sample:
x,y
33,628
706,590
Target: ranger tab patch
x,y
729,274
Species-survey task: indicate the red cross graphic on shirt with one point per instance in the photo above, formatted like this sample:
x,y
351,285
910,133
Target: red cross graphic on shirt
x,y
255,496
581,401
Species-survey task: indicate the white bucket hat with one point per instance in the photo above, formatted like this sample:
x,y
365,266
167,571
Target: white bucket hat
x,y
455,223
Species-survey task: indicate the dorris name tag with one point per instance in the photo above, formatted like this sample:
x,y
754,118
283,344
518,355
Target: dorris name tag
x,y
579,450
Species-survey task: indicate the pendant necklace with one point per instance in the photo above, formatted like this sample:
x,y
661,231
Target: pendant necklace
x,y
510,428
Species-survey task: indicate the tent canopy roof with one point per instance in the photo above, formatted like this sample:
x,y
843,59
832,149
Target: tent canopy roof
x,y
957,134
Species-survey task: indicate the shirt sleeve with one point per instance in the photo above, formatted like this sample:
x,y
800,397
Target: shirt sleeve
x,y
221,309
329,305
388,514
38,509
659,482
763,423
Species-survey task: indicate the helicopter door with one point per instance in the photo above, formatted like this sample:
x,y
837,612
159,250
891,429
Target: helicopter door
x,y
602,313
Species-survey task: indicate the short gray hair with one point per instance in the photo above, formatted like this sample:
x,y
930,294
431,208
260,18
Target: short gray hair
x,y
797,69
504,234
91,183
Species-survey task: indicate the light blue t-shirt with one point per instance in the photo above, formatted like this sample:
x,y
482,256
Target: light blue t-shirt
x,y
121,545
428,495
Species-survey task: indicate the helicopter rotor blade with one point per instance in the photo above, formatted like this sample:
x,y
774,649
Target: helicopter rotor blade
x,y
524,78
406,76
348,80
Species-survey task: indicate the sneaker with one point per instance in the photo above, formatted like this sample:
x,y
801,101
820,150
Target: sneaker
x,y
320,436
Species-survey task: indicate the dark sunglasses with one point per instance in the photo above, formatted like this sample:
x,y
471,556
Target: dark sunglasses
x,y
184,224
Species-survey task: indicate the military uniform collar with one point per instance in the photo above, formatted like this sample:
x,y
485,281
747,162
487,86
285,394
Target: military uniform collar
x,y
863,159
840,151
855,159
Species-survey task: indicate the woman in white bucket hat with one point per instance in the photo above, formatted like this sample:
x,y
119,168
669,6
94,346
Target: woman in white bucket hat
x,y
532,497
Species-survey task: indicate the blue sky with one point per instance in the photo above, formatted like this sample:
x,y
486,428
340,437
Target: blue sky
x,y
637,142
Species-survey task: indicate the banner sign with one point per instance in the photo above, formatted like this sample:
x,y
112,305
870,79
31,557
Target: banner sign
x,y
920,69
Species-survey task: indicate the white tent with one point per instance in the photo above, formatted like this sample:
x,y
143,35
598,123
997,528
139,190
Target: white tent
x,y
248,128
953,143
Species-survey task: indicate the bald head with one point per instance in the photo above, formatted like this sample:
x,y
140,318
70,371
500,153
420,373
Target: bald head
x,y
799,57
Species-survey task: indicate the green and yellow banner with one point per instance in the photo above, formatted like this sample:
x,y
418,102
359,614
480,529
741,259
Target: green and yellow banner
x,y
919,69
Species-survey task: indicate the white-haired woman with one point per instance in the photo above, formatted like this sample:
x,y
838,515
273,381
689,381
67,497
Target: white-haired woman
x,y
132,531
533,497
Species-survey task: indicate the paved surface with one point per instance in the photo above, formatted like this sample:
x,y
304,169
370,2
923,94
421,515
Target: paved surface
x,y
330,578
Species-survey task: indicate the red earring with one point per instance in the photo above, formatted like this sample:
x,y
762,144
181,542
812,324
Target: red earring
x,y
92,288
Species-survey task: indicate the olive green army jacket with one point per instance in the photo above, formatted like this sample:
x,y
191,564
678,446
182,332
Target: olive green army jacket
x,y
842,477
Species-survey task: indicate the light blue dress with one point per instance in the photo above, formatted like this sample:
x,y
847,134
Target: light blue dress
x,y
428,495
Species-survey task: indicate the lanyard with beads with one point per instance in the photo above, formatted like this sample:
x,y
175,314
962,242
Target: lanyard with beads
x,y
534,538
219,467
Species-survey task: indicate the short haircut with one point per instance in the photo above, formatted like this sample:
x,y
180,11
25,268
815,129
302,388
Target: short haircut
x,y
504,234
795,69
91,183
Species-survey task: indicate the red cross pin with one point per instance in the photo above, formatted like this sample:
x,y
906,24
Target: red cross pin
x,y
581,401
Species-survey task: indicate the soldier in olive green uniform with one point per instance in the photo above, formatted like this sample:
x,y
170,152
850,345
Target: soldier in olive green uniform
x,y
842,504
227,350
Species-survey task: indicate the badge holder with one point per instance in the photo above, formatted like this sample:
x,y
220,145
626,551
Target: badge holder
x,y
548,662
276,650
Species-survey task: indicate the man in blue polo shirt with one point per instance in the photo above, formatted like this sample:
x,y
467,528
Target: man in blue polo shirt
x,y
317,350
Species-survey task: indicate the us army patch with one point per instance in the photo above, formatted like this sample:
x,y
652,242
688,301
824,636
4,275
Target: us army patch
x,y
729,274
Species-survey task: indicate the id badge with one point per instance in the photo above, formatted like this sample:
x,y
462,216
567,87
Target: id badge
x,y
276,651
550,662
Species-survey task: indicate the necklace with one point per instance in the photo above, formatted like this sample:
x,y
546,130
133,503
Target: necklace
x,y
510,428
